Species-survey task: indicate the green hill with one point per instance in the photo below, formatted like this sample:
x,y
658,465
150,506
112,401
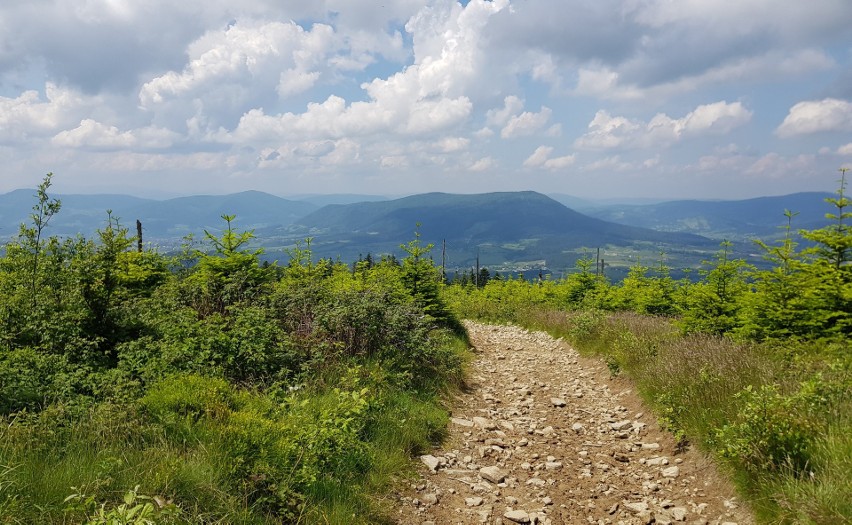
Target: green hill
x,y
514,229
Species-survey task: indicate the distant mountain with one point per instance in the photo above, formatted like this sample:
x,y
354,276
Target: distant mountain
x,y
162,220
580,204
735,220
338,198
503,228
254,210
509,230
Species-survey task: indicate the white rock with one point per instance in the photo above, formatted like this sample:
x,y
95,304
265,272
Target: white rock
x,y
637,507
518,516
577,427
678,513
475,501
431,461
492,474
671,472
621,425
461,422
557,401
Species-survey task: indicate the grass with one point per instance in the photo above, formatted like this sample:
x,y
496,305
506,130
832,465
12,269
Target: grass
x,y
102,451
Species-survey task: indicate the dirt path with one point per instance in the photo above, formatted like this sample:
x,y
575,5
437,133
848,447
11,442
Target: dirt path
x,y
545,436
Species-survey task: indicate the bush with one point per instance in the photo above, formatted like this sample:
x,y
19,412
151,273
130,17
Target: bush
x,y
775,431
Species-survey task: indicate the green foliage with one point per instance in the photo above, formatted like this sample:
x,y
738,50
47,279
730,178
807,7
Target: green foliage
x,y
231,274
243,392
775,431
136,509
423,280
713,305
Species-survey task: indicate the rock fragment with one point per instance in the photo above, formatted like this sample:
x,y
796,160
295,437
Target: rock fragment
x,y
492,474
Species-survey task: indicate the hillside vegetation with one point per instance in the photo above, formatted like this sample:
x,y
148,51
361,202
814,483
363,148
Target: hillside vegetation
x,y
752,365
209,387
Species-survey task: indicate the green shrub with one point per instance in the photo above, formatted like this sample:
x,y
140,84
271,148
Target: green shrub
x,y
774,431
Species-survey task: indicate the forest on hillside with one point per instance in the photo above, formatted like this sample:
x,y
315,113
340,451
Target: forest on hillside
x,y
207,386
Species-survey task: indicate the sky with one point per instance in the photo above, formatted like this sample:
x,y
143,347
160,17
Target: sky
x,y
703,99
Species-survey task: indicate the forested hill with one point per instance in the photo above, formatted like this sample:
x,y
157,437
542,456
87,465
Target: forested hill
x,y
738,219
508,229
519,226
495,217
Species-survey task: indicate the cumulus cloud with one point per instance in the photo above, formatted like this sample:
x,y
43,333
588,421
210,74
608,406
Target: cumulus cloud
x,y
28,115
846,149
452,144
527,123
814,116
608,132
540,158
424,98
483,164
512,105
96,135
245,54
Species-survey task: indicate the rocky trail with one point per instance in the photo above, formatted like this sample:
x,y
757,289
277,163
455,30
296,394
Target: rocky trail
x,y
545,436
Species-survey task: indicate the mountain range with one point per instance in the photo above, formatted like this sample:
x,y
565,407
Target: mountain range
x,y
510,230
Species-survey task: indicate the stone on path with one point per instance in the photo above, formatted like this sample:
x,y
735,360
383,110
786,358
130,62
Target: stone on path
x,y
518,516
431,461
637,507
484,423
557,401
492,474
671,472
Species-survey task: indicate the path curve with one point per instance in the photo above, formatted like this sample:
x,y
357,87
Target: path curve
x,y
542,435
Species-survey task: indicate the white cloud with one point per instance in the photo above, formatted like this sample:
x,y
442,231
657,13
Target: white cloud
x,y
607,83
96,135
28,116
608,132
512,105
483,164
527,123
846,149
540,158
814,116
425,98
775,165
452,144
245,55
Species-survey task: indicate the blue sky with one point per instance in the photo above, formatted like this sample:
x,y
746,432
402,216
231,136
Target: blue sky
x,y
594,98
